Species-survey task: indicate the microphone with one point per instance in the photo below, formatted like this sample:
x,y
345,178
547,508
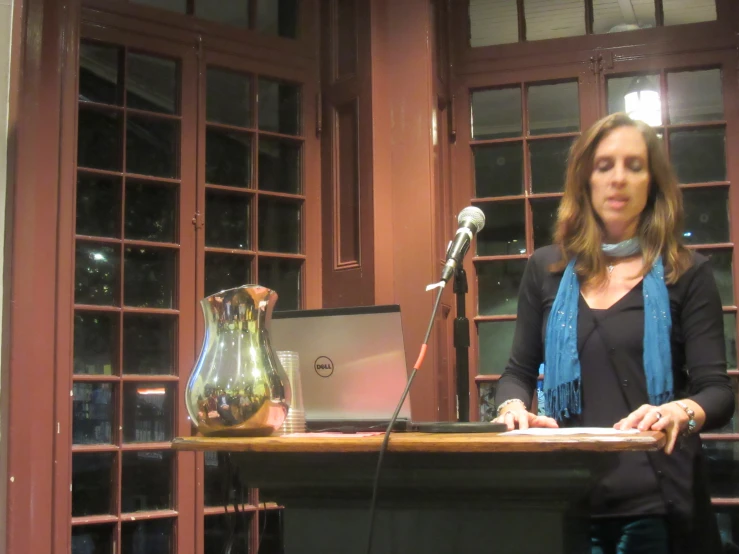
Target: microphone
x,y
471,220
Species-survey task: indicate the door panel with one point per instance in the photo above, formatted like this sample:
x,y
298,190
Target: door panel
x,y
132,317
514,130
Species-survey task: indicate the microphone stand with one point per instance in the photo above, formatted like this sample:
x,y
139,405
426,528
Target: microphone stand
x,y
462,346
462,343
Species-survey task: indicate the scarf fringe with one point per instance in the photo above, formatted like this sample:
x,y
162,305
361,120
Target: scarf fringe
x,y
563,401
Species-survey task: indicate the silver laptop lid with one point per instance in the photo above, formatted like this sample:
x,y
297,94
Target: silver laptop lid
x,y
352,360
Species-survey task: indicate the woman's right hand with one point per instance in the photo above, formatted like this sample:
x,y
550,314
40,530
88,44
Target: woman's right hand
x,y
517,416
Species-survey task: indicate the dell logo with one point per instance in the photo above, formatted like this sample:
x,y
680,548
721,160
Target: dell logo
x,y
324,366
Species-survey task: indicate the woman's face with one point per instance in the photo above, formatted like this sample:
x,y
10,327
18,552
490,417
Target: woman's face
x,y
619,183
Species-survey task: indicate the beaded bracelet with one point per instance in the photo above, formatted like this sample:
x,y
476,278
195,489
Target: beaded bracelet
x,y
692,424
507,402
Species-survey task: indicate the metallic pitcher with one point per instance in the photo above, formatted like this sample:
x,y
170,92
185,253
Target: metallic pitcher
x,y
238,386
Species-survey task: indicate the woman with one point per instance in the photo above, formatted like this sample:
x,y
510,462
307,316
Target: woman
x,y
629,327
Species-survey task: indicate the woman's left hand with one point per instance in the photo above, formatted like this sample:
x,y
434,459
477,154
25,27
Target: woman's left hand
x,y
669,418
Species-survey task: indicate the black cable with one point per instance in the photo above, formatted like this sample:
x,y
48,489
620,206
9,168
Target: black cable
x,y
225,459
241,489
234,485
239,501
386,438
264,526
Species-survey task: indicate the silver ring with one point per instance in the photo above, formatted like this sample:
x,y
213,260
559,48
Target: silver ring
x,y
659,416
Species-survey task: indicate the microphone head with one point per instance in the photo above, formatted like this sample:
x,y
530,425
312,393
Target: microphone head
x,y
473,216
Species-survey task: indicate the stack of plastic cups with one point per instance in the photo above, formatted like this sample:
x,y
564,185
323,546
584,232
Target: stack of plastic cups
x,y
295,420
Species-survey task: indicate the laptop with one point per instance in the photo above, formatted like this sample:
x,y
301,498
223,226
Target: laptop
x,y
352,365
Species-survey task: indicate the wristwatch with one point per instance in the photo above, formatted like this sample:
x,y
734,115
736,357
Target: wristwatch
x,y
691,417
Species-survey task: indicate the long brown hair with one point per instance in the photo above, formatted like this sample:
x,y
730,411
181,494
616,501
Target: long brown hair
x,y
579,231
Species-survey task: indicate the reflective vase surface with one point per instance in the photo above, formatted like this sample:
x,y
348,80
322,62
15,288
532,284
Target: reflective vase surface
x,y
238,386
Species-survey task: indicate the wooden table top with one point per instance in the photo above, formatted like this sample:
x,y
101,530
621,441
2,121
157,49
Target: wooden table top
x,y
427,442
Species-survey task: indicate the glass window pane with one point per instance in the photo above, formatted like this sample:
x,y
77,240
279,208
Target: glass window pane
x,y
609,17
497,286
723,467
493,22
100,73
150,277
98,205
214,488
179,6
151,212
544,214
228,97
271,527
148,412
553,108
694,96
152,146
99,139
730,337
149,344
495,340
87,539
279,165
678,12
279,106
496,113
227,220
278,17
92,413
554,19
728,523
95,343
152,84
498,169
226,271
154,536
230,12
487,400
92,483
637,95
227,158
548,159
218,534
282,276
279,225
699,155
97,274
706,215
505,231
721,262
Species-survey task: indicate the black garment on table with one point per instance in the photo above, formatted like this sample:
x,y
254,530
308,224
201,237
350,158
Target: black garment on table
x,y
639,483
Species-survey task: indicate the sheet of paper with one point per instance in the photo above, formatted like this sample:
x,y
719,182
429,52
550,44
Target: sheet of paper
x,y
547,432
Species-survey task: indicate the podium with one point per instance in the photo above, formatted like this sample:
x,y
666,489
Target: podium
x,y
438,494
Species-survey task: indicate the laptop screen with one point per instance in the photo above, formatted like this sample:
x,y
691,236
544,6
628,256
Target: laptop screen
x,y
352,360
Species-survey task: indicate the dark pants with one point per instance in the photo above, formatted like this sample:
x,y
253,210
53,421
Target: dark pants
x,y
637,535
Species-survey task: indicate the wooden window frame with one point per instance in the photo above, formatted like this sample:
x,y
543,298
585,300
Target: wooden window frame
x,y
463,172
36,452
710,35
593,55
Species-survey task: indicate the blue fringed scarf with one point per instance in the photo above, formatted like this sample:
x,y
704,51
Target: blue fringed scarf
x,y
562,364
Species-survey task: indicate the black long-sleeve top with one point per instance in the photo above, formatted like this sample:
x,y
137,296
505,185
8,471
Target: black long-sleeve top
x,y
613,384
